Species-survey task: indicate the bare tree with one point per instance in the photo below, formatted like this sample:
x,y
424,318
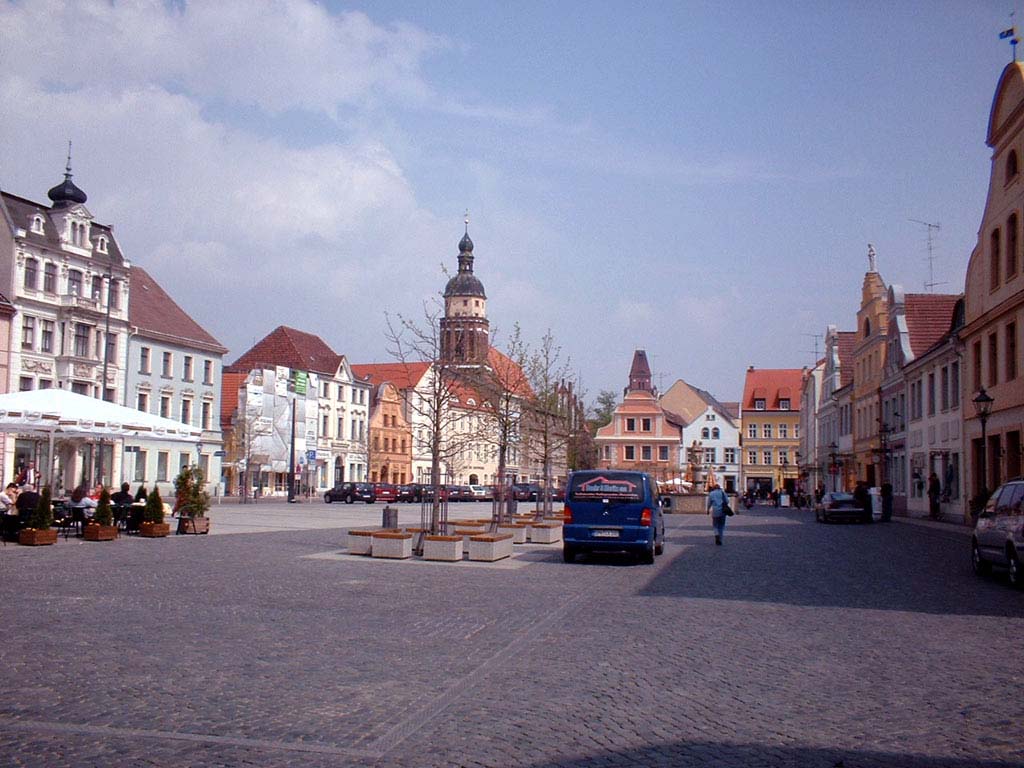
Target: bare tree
x,y
505,387
549,432
432,401
247,427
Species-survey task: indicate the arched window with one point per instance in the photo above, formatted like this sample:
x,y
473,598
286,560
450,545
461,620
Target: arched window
x,y
867,327
101,244
1011,246
994,248
714,433
31,274
1011,165
704,433
37,225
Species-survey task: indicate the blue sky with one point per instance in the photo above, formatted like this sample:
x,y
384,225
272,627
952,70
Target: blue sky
x,y
699,180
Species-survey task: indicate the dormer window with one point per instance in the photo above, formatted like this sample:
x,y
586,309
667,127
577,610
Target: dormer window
x,y
101,244
759,404
37,225
783,405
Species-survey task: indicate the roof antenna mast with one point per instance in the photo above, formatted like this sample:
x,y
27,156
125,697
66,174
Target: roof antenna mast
x,y
932,228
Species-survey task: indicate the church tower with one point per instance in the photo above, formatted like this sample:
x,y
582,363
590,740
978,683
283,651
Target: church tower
x,y
465,331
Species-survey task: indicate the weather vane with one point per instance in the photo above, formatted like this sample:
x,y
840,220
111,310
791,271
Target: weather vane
x,y
1011,33
467,221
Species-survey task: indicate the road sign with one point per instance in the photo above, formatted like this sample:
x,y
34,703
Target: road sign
x,y
220,453
311,456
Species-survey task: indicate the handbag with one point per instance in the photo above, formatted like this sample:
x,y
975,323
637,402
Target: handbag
x,y
727,509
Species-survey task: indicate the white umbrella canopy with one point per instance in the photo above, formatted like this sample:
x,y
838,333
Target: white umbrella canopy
x,y
60,412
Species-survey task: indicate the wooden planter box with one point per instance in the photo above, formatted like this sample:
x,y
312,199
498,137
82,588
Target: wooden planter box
x,y
360,542
37,537
97,532
516,530
546,533
446,548
154,530
489,547
395,545
195,525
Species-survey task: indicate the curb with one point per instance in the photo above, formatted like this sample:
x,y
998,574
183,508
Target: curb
x,y
936,525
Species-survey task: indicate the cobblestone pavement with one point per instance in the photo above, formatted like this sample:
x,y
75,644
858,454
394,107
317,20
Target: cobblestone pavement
x,y
795,644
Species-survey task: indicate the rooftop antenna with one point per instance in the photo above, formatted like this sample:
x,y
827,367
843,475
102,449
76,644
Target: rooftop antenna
x,y
932,228
1011,33
815,337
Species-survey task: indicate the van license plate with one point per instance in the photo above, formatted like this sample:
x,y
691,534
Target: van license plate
x,y
604,534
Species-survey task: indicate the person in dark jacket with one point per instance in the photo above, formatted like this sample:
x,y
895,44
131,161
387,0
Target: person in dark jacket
x,y
934,492
717,501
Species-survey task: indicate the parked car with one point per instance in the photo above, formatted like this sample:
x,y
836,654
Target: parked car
x,y
481,492
350,492
385,492
998,538
410,492
558,493
428,492
612,510
837,505
459,493
525,491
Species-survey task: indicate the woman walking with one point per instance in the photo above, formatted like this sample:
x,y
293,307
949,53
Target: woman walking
x,y
717,502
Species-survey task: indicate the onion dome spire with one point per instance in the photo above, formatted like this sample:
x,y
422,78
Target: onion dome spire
x,y
66,193
465,283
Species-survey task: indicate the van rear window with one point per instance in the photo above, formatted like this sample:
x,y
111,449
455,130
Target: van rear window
x,y
622,486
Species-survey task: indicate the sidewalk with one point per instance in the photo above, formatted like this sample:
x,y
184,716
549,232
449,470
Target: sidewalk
x,y
937,525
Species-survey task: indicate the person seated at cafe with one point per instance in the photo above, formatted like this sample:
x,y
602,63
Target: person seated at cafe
x,y
80,500
27,502
122,498
8,498
141,495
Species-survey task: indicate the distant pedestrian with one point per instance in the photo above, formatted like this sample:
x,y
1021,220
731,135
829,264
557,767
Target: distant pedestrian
x,y
861,496
934,492
717,503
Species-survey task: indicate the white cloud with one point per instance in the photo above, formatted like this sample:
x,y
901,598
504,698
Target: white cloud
x,y
285,54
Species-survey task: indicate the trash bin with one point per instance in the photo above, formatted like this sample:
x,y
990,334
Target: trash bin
x,y
666,503
389,518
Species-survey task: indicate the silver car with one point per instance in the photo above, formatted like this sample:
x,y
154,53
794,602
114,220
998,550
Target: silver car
x,y
999,533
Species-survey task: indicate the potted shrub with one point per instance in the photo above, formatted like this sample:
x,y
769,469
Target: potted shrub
x,y
39,530
153,525
101,527
191,502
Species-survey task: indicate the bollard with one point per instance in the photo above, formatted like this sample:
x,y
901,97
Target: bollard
x,y
389,518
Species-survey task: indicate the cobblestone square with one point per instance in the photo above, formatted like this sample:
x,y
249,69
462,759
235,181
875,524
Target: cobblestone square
x,y
795,644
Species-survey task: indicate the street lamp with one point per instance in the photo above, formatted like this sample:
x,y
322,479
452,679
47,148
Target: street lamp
x,y
833,468
291,452
983,407
109,277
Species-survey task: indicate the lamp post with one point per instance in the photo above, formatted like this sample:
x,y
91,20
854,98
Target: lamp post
x,y
983,407
291,451
833,468
109,277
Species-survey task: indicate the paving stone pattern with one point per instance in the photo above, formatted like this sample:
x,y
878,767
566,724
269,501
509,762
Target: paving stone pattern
x,y
795,644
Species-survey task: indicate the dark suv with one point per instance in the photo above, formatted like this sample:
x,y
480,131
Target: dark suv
x,y
999,533
350,492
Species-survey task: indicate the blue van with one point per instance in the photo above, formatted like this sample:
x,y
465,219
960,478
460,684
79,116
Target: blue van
x,y
608,510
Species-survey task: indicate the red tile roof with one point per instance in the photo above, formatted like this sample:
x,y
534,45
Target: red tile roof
x,y
401,375
929,317
289,348
772,385
156,315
